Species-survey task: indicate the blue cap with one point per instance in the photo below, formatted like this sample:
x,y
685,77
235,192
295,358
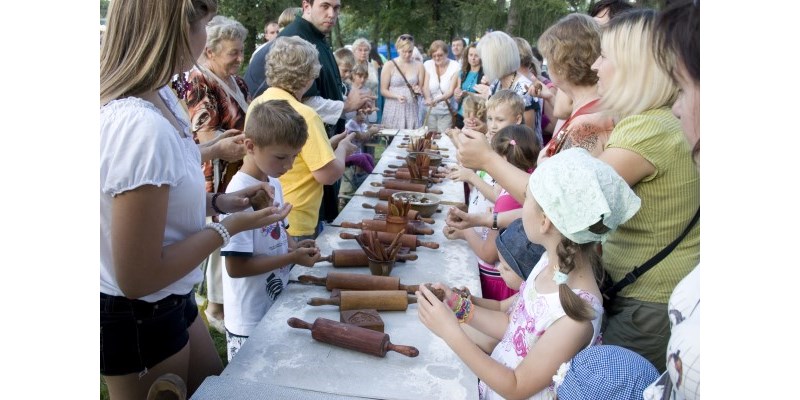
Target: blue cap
x,y
607,372
518,252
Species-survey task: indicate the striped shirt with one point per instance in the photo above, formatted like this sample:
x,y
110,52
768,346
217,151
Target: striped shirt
x,y
670,197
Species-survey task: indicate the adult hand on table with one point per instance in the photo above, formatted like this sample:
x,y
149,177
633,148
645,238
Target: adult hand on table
x,y
474,150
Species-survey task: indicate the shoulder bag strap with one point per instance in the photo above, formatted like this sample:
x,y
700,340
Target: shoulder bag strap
x,y
640,270
404,79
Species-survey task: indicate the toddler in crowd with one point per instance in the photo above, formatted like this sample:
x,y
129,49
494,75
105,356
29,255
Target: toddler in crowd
x,y
572,202
518,145
257,262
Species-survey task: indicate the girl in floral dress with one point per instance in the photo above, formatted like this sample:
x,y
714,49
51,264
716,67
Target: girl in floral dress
x,y
573,201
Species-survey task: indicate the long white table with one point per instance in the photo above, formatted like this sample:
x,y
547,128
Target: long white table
x,y
283,360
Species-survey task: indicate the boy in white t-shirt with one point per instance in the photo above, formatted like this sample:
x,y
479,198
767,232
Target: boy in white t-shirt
x,y
257,262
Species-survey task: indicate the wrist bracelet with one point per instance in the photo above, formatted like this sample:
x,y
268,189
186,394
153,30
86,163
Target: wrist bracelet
x,y
223,232
494,221
214,204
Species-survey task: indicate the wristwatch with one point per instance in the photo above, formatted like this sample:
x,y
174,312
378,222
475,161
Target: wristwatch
x,y
494,221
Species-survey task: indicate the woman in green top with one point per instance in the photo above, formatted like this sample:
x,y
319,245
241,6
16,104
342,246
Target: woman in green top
x,y
647,149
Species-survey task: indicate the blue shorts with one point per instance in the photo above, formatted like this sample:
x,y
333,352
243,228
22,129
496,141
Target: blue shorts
x,y
136,335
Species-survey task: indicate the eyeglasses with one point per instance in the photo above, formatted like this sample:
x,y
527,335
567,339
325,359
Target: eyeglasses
x,y
406,36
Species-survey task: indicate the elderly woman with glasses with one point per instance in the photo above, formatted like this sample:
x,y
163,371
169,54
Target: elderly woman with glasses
x,y
401,85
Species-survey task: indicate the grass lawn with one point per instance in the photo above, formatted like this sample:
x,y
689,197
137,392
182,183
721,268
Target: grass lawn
x,y
219,342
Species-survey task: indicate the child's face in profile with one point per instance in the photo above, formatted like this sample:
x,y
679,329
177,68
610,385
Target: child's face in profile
x,y
498,118
274,160
511,278
532,218
344,71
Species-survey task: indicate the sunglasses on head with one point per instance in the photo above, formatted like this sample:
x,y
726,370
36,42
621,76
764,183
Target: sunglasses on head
x,y
406,37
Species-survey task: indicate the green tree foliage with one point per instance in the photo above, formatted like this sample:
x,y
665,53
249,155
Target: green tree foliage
x,y
253,14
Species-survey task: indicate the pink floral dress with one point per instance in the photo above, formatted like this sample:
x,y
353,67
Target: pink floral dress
x,y
529,317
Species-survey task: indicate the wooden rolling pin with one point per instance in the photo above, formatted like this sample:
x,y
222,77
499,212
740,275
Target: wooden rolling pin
x,y
346,281
356,258
351,337
409,241
383,208
383,194
380,226
431,171
406,186
407,175
381,300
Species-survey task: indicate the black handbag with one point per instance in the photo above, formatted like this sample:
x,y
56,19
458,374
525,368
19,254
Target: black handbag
x,y
609,289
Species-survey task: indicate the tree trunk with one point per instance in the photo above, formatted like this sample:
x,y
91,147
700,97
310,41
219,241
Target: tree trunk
x,y
513,18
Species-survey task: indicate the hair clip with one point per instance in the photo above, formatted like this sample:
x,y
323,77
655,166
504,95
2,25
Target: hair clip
x,y
513,142
559,277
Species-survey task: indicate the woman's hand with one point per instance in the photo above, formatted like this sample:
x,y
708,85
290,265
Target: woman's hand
x,y
482,90
249,220
474,150
240,200
435,315
458,93
401,99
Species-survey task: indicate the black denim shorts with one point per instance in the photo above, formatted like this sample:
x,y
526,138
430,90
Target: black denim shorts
x,y
136,335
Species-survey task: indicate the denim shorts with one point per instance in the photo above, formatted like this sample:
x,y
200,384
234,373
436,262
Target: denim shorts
x,y
136,335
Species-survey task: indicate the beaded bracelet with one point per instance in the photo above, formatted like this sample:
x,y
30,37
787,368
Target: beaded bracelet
x,y
223,232
214,204
463,309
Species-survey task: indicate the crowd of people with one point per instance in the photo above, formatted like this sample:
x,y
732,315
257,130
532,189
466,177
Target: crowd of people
x,y
581,181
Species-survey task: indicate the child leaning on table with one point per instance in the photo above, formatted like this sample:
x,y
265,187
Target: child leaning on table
x,y
572,202
257,262
518,145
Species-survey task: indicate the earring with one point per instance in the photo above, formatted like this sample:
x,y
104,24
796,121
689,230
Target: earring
x,y
182,86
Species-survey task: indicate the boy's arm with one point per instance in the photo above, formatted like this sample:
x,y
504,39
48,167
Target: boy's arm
x,y
240,265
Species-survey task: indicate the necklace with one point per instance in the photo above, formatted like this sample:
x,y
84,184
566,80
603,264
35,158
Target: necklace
x,y
510,83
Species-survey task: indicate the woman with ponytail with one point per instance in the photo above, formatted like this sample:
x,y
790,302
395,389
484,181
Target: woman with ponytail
x,y
572,202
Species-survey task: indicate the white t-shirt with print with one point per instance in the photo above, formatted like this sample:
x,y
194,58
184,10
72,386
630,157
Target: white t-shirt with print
x,y
247,299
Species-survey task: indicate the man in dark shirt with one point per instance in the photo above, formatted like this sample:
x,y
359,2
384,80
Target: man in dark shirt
x,y
325,95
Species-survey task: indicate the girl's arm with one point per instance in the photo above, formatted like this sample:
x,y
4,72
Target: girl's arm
x,y
460,220
562,340
475,152
142,264
486,189
486,250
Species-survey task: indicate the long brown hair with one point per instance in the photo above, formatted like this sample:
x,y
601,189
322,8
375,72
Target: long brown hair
x,y
568,251
145,43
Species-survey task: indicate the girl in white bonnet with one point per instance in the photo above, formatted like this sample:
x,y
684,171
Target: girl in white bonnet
x,y
573,201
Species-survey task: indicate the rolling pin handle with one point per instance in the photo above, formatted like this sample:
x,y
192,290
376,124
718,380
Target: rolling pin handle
x,y
407,351
298,323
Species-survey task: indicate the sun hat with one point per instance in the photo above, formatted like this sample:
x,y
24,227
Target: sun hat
x,y
519,253
576,191
604,372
